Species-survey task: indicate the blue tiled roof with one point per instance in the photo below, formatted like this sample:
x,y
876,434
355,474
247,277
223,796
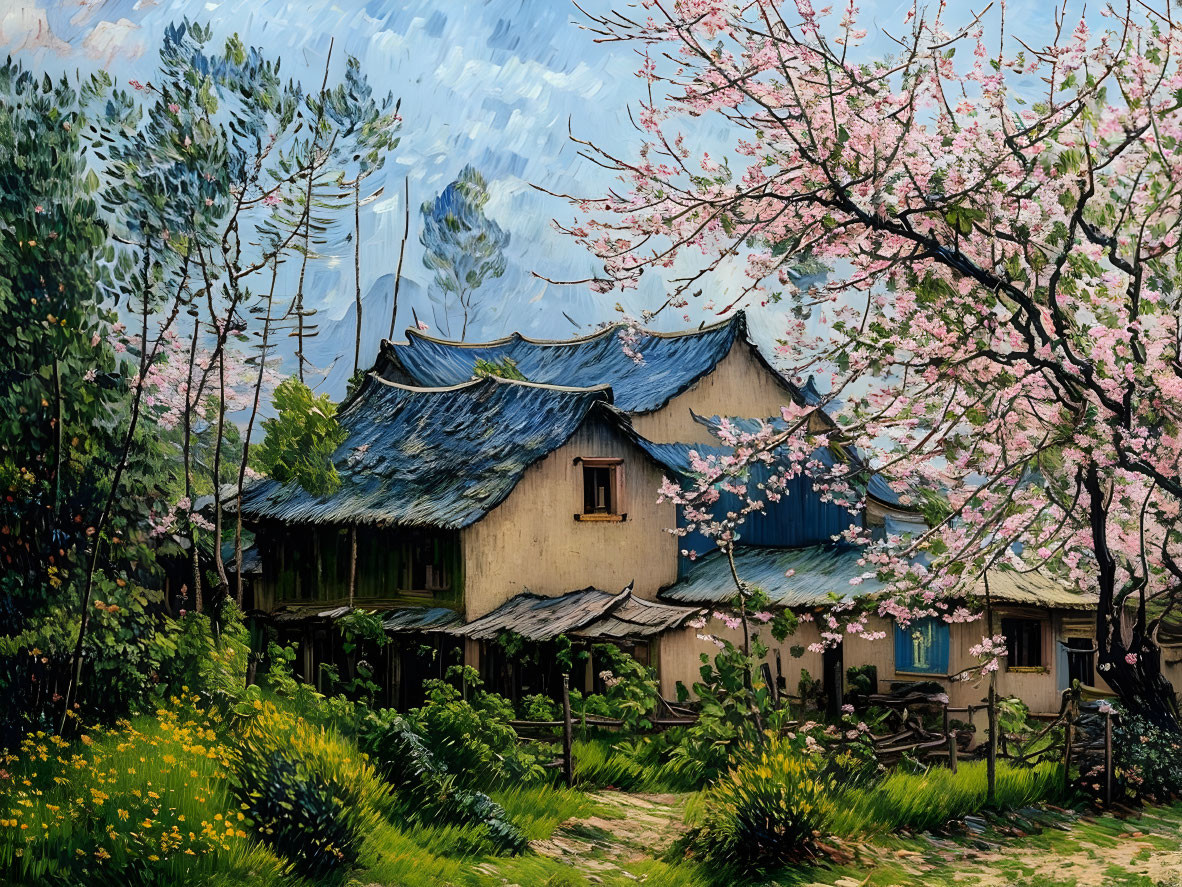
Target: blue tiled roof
x,y
818,572
441,458
876,485
800,517
672,362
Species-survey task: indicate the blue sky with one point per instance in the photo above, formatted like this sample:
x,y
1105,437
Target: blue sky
x,y
489,83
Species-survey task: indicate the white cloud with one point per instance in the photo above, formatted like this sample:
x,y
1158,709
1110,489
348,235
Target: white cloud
x,y
28,27
86,11
109,39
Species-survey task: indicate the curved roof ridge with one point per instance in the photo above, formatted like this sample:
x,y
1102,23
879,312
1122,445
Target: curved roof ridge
x,y
738,317
490,379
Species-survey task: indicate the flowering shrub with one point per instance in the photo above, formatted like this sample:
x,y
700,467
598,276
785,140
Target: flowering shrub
x,y
150,796
631,689
767,811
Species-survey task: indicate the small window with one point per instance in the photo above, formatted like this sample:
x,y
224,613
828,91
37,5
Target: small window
x,y
603,489
922,646
1023,642
1080,652
427,568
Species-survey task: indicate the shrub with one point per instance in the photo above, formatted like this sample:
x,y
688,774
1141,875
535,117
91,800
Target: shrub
x,y
471,737
632,692
1146,758
211,653
734,704
537,707
312,797
298,814
427,792
766,812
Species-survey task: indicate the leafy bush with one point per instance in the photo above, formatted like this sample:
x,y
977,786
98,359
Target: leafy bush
x,y
299,815
210,654
767,811
537,707
735,705
427,792
632,692
311,796
471,737
1146,758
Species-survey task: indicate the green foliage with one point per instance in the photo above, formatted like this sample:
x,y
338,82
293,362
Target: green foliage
x,y
427,793
1146,758
361,633
471,737
300,441
632,692
299,816
311,797
537,707
735,707
505,368
767,811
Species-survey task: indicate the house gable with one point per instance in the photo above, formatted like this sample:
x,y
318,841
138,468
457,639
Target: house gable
x,y
536,540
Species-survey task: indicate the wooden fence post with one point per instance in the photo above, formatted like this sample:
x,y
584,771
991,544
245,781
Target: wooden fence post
x,y
1108,759
991,763
568,769
1067,731
952,752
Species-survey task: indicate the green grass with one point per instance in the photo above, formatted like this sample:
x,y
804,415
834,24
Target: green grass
x,y
539,809
931,799
601,762
150,795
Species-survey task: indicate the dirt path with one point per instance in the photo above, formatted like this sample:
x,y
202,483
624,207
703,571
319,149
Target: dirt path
x,y
1139,851
631,827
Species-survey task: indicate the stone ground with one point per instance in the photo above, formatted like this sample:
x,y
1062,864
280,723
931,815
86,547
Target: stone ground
x,y
1028,849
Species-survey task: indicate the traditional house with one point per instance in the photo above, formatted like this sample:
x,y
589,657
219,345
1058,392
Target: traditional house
x,y
471,508
461,499
1049,629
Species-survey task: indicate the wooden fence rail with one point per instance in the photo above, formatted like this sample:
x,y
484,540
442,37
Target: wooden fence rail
x,y
1086,741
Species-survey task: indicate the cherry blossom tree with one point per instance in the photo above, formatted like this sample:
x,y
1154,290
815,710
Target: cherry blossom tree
x,y
1001,224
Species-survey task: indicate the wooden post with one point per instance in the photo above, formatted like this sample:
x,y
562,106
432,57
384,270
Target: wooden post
x,y
1108,759
952,752
1067,730
352,565
991,762
568,768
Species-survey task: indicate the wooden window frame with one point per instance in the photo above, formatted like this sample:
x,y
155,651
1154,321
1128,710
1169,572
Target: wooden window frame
x,y
619,511
1043,634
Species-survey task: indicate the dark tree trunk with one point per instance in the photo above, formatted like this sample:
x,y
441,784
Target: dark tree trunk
x,y
1140,685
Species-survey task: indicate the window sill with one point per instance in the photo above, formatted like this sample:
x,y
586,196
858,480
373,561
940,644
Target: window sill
x,y
937,675
1028,669
608,518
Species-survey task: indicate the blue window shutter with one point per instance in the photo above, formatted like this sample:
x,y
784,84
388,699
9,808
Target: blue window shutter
x,y
940,645
902,648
